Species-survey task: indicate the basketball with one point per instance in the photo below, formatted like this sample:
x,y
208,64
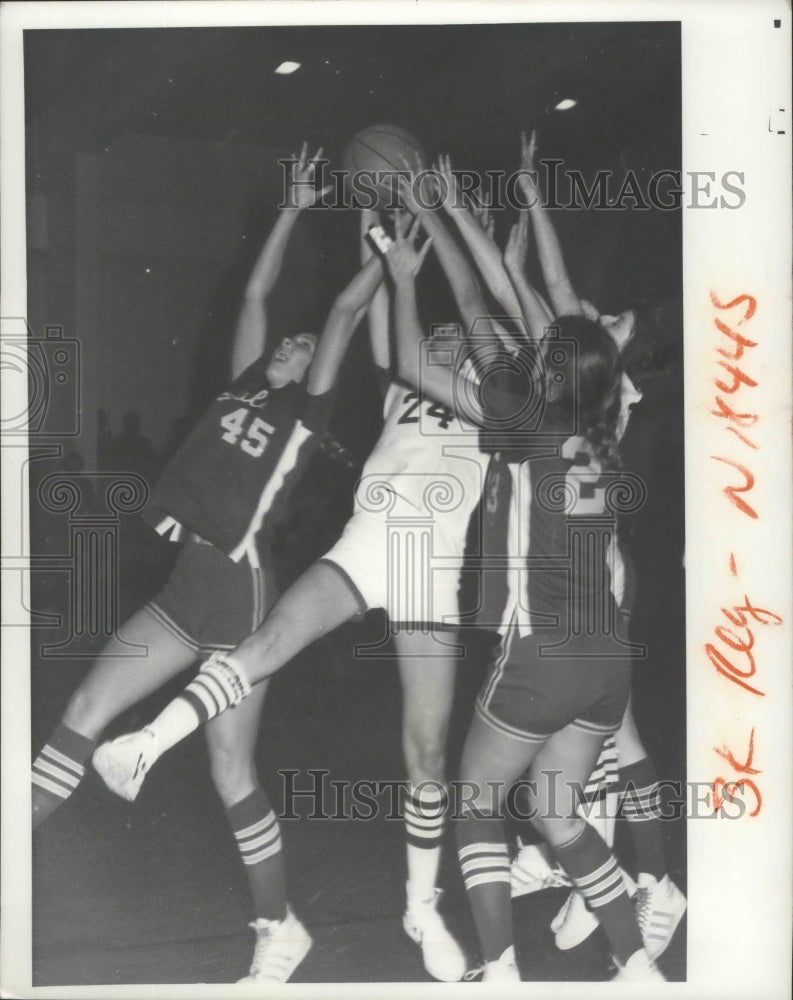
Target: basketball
x,y
379,150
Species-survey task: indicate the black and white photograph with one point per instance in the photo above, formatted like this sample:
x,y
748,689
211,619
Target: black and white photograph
x,y
387,565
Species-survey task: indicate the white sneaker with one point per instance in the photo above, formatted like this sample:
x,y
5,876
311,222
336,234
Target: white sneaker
x,y
659,909
281,945
443,957
575,922
123,763
639,968
501,970
531,872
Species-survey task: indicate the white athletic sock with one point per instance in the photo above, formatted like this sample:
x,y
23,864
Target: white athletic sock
x,y
425,814
221,683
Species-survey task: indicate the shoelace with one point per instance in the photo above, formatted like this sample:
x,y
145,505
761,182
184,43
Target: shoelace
x,y
266,946
471,975
643,903
554,877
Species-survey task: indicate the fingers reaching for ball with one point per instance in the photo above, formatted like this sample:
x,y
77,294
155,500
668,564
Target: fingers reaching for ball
x,y
303,192
403,258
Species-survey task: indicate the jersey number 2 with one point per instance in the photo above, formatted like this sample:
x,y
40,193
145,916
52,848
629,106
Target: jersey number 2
x,y
257,433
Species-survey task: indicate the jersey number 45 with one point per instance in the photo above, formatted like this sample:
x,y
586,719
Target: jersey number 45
x,y
253,438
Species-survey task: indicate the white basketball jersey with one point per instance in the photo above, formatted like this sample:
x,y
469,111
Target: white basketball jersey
x,y
426,455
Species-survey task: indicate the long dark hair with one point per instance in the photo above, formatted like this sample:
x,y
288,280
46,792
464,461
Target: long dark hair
x,y
593,394
653,352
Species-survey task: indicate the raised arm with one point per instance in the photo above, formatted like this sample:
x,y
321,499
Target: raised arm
x,y
483,248
563,297
460,274
535,311
442,383
250,333
378,308
345,315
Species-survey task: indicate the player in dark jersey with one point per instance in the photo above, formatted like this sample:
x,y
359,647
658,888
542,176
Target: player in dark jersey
x,y
221,494
660,904
553,694
626,765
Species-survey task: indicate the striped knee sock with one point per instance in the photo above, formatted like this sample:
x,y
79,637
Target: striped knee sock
x,y
594,869
58,770
425,816
221,683
484,862
259,843
640,805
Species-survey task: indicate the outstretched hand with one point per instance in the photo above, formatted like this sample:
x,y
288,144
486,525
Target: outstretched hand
x,y
302,193
404,260
480,209
425,183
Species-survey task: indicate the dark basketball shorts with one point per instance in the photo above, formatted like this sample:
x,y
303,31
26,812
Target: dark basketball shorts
x,y
529,694
210,602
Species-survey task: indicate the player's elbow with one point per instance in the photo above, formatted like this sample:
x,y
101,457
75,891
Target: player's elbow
x,y
344,307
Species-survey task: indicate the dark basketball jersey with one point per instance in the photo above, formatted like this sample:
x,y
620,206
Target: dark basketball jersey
x,y
570,527
569,536
232,476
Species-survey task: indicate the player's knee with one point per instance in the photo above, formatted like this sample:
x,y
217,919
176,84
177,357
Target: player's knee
x,y
425,758
558,830
87,714
234,776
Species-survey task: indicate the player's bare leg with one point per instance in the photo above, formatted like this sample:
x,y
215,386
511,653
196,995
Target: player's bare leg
x,y
117,681
317,603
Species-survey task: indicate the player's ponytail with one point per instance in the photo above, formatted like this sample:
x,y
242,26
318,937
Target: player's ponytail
x,y
597,386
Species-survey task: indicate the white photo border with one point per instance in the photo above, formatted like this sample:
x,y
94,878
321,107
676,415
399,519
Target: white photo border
x,y
736,117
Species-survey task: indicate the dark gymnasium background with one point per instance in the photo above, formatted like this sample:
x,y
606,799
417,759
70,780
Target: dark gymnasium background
x,y
151,183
